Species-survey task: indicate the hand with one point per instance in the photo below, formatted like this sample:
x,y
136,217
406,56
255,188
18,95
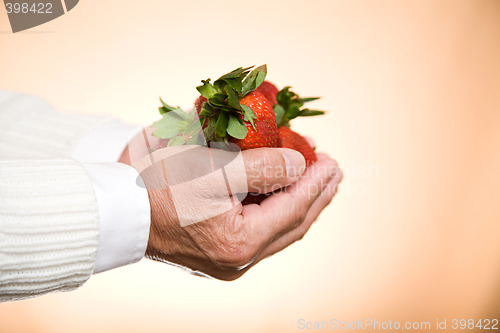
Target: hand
x,y
195,224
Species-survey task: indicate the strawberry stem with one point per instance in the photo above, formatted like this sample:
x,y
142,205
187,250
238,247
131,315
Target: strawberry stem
x,y
289,107
223,104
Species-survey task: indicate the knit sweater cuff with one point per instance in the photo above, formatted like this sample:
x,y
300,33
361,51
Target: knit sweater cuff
x,y
49,228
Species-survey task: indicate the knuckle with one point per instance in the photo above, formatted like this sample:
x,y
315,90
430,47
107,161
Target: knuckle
x,y
300,236
237,255
340,175
332,165
235,250
299,217
302,218
303,231
265,161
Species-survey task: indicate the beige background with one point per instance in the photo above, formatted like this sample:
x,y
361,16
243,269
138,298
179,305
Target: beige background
x,y
413,93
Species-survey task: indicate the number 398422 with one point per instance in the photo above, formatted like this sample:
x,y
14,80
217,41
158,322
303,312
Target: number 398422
x,y
25,8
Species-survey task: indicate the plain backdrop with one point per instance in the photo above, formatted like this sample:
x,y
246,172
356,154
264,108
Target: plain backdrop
x,y
412,90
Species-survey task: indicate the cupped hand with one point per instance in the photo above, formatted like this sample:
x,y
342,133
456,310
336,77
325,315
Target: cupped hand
x,y
198,221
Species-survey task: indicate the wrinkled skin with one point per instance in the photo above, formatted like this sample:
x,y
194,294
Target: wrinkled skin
x,y
226,245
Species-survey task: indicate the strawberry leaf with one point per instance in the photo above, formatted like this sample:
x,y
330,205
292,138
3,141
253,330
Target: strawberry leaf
x,y
193,128
284,96
196,139
308,99
206,110
219,85
254,79
218,100
279,112
167,107
175,110
209,131
235,84
168,127
261,75
221,126
310,113
291,106
248,115
236,127
235,73
176,141
207,90
292,111
232,97
223,98
180,113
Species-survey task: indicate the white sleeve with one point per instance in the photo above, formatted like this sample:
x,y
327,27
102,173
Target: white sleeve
x,y
124,211
124,215
31,128
49,227
105,142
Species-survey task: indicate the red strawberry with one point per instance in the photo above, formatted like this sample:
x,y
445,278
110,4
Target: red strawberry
x,y
293,140
234,111
242,108
269,90
255,198
199,103
286,139
265,133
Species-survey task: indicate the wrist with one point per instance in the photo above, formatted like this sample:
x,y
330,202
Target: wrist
x,y
125,157
141,145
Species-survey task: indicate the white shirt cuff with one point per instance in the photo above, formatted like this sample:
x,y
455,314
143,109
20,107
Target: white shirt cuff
x,y
124,211
105,142
124,215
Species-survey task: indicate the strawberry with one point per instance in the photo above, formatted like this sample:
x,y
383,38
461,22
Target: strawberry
x,y
264,123
199,103
264,132
269,90
236,112
240,113
239,107
286,139
289,107
293,140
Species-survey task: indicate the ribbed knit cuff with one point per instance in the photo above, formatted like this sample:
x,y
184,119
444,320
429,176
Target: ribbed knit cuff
x,y
49,227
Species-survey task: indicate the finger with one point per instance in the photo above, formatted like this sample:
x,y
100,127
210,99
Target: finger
x,y
257,170
268,169
286,210
296,234
140,145
325,198
323,156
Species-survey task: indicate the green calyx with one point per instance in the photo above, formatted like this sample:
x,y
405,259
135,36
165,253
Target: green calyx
x,y
178,126
223,109
290,106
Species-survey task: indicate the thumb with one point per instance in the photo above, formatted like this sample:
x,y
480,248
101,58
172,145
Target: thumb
x,y
268,169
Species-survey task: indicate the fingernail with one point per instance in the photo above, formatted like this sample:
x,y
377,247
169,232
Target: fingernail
x,y
294,161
